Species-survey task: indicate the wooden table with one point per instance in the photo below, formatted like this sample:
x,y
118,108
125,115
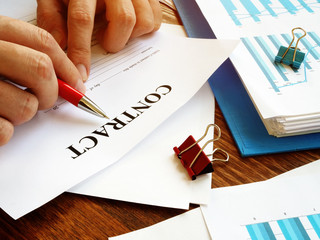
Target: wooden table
x,y
72,216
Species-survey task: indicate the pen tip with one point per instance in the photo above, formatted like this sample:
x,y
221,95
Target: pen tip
x,y
102,114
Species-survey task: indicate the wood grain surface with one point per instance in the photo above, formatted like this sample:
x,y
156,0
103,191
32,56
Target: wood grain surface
x,y
72,216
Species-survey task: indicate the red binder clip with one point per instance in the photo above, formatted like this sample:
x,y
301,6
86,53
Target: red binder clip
x,y
192,157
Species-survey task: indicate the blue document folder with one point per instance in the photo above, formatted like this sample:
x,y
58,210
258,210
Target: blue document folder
x,y
241,116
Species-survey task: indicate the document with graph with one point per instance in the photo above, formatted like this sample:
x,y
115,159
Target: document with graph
x,y
282,208
286,98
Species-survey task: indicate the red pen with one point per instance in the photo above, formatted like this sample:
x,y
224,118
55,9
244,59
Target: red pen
x,y
79,99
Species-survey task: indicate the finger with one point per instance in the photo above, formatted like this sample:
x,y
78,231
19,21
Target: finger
x,y
6,131
25,34
144,18
80,27
35,72
16,105
51,16
121,19
157,13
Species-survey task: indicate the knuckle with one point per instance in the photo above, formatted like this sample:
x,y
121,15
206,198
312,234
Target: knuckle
x,y
29,107
43,67
6,131
145,26
80,16
46,41
127,18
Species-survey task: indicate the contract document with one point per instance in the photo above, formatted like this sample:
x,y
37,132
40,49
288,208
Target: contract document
x,y
139,88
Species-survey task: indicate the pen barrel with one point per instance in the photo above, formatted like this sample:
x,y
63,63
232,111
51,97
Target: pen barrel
x,y
68,93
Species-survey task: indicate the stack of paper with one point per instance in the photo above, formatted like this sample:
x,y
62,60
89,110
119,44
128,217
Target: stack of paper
x,y
286,99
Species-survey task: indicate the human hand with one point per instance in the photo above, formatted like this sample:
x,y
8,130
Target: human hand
x,y
71,23
30,58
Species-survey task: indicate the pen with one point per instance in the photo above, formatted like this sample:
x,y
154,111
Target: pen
x,y
79,99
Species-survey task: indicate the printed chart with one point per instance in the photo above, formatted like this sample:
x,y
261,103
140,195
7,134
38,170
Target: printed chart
x,y
277,90
264,49
282,208
303,227
251,10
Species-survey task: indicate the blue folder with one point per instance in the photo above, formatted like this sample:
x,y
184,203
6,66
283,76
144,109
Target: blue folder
x,y
241,116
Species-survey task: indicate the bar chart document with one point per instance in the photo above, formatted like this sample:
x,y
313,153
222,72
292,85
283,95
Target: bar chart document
x,y
285,98
283,208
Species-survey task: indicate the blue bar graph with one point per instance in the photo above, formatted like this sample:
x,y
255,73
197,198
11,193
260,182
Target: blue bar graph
x,y
260,231
290,228
251,8
315,222
276,42
287,37
255,9
266,5
306,6
263,66
267,51
230,7
289,6
315,37
309,46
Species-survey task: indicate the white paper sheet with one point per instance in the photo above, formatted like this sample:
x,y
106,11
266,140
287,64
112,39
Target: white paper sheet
x,y
312,168
151,167
59,148
232,209
151,173
187,226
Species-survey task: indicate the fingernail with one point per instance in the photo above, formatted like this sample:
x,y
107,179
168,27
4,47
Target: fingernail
x,y
83,72
80,86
